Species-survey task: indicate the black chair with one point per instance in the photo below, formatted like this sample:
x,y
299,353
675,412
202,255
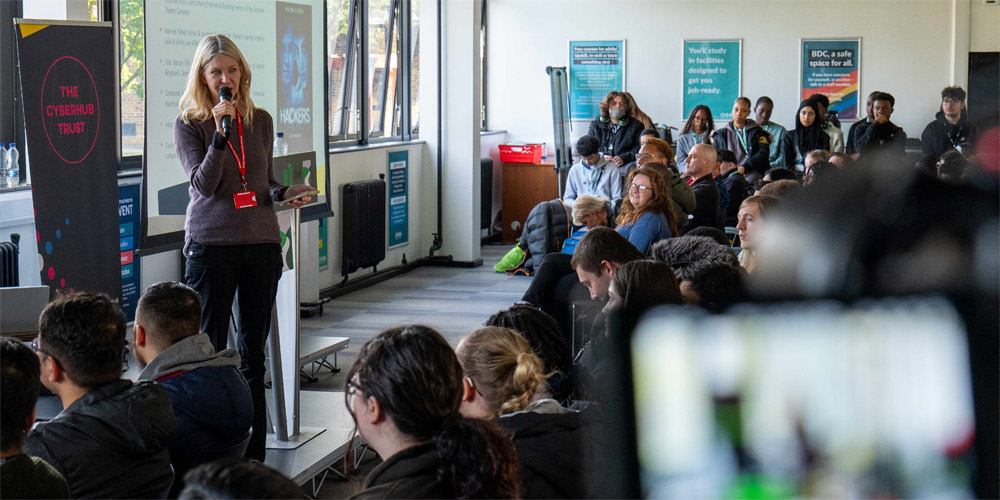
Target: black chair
x,y
187,460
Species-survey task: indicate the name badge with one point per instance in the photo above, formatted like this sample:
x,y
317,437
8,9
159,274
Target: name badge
x,y
245,199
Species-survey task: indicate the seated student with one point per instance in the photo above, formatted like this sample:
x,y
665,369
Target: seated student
x,y
597,256
709,274
851,148
952,166
882,136
639,286
841,160
647,214
817,170
762,115
210,397
110,441
832,129
753,211
546,339
698,129
748,141
588,212
657,151
22,476
616,129
780,189
701,164
814,156
593,175
807,136
506,382
404,391
235,479
951,129
731,181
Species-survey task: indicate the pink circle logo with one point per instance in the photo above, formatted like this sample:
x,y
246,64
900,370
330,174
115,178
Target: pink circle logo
x,y
71,110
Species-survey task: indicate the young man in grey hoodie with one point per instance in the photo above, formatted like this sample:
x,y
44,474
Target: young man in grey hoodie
x,y
210,397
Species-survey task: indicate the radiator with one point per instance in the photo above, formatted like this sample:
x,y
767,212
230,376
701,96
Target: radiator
x,y
364,225
9,274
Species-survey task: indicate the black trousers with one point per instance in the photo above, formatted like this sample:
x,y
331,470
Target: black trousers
x,y
554,286
217,273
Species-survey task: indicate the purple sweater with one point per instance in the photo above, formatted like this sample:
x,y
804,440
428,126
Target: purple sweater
x,y
212,218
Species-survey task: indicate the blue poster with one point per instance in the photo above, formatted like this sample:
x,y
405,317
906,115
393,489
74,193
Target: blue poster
x,y
595,68
128,228
712,76
399,214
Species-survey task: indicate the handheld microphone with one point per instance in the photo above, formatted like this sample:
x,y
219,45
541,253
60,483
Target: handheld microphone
x,y
227,121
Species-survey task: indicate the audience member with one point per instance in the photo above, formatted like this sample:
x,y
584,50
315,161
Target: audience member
x,y
713,233
588,212
818,170
951,129
647,134
506,382
616,130
110,441
547,340
597,256
858,126
698,129
731,182
779,174
882,136
404,391
701,162
780,189
647,214
762,115
657,151
592,175
233,479
952,166
210,398
643,118
842,160
21,475
748,141
807,136
709,274
639,286
753,211
814,156
826,122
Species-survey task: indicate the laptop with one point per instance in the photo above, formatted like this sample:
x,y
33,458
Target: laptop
x,y
20,307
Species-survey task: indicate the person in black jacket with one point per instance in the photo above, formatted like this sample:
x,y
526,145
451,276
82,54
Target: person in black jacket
x,y
951,129
748,141
110,441
617,130
859,126
700,165
807,136
881,135
505,382
210,397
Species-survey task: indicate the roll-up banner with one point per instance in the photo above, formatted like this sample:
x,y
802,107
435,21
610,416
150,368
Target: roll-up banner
x,y
70,93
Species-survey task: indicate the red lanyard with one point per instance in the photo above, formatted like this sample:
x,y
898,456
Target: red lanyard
x,y
241,163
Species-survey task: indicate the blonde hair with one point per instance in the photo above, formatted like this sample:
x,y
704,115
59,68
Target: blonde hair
x,y
197,101
503,368
586,205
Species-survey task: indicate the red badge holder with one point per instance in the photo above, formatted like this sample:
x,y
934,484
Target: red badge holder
x,y
245,199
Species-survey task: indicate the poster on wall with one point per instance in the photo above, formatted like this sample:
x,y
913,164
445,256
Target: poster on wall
x,y
128,227
595,68
712,76
69,88
832,67
295,102
399,213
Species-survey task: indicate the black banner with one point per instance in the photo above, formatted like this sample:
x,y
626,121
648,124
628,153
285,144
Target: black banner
x,y
70,96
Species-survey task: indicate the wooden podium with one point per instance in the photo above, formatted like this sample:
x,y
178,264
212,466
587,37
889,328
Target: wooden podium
x,y
524,186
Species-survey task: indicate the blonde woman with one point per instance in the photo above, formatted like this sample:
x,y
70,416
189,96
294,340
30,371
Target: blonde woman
x,y
231,239
504,381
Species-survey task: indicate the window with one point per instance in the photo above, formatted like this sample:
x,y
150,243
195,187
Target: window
x,y
370,70
132,75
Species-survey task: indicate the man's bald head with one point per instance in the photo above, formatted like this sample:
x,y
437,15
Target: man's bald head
x,y
701,160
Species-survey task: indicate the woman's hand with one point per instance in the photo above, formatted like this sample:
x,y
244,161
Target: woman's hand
x,y
295,190
616,160
224,108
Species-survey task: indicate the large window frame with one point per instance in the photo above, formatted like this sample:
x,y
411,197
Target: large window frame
x,y
393,123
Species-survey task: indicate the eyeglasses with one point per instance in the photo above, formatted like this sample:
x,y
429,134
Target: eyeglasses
x,y
639,187
39,350
352,389
950,101
473,385
645,156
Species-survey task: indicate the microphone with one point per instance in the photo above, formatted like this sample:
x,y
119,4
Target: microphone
x,y
227,121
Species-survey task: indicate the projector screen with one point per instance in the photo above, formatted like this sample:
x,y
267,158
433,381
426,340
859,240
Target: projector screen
x,y
284,45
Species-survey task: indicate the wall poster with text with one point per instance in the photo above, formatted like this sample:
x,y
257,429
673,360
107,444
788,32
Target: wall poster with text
x,y
712,76
399,211
595,68
832,67
294,37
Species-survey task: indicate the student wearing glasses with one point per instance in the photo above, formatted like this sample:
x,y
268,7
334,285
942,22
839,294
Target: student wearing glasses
x,y
647,213
951,129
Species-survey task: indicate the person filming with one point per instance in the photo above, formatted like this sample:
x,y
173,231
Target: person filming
x,y
232,240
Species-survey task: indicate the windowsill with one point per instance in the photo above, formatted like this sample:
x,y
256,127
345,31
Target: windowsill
x,y
372,146
19,187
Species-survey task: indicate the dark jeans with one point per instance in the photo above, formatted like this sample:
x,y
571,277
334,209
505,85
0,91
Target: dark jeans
x,y
217,272
554,286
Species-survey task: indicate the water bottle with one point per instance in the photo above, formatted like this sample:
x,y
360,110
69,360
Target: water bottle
x,y
545,152
12,166
280,145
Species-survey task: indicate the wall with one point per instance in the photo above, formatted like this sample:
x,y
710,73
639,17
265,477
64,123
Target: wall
x,y
906,49
985,27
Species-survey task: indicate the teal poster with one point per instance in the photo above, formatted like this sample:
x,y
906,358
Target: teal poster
x,y
399,214
712,76
595,68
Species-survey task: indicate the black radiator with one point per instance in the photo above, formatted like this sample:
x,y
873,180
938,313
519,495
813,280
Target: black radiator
x,y
364,225
9,274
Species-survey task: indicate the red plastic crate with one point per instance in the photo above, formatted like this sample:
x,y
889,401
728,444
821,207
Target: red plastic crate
x,y
521,153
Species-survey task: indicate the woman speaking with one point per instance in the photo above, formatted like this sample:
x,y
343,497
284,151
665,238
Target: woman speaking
x,y
232,240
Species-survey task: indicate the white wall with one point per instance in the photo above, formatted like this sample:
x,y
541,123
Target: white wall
x,y
907,49
985,29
